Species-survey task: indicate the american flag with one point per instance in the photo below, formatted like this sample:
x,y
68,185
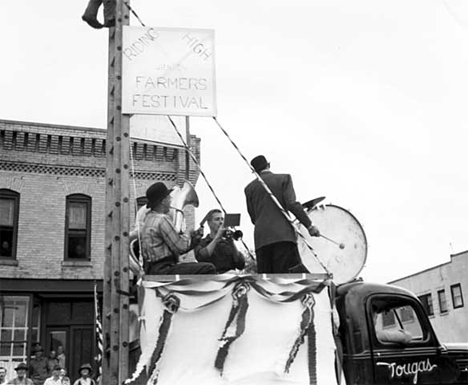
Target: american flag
x,y
98,325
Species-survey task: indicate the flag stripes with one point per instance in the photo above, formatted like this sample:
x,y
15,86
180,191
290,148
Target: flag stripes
x,y
99,340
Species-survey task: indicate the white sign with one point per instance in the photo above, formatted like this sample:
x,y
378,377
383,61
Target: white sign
x,y
158,129
168,71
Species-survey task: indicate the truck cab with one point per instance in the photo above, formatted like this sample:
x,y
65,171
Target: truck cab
x,y
386,338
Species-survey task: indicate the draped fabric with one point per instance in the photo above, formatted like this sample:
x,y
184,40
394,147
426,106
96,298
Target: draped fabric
x,y
237,330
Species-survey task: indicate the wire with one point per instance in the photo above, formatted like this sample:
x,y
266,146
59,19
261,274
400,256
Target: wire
x,y
134,13
135,206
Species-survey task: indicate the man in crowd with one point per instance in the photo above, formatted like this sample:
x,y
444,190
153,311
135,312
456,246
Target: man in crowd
x,y
274,236
21,378
3,373
162,244
218,247
393,335
62,359
55,379
38,370
85,375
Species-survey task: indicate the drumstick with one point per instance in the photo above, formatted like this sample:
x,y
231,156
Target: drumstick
x,y
340,245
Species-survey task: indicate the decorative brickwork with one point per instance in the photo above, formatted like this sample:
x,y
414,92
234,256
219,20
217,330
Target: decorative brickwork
x,y
45,164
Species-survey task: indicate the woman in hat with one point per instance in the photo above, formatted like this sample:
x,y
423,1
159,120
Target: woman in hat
x,y
21,379
85,375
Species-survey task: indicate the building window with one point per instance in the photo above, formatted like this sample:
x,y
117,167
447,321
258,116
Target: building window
x,y
426,301
9,210
457,296
78,227
442,301
14,317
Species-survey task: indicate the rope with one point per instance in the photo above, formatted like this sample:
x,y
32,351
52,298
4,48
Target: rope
x,y
135,206
204,176
134,13
275,200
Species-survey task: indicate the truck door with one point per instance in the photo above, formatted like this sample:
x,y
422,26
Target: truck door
x,y
404,347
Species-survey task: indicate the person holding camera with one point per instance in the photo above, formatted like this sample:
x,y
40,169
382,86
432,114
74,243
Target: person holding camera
x,y
218,246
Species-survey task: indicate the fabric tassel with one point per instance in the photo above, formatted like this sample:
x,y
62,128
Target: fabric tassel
x,y
306,320
238,313
311,341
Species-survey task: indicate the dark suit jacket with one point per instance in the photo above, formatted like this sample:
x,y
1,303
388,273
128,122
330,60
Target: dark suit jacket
x,y
270,224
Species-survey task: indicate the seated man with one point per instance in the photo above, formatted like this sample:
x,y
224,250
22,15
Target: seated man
x,y
161,243
400,336
218,247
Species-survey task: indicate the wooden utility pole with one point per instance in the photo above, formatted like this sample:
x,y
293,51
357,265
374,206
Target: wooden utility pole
x,y
116,282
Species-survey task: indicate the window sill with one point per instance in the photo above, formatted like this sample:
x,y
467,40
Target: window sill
x,y
77,264
445,313
8,262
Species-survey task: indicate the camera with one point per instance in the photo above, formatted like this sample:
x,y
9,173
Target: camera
x,y
236,235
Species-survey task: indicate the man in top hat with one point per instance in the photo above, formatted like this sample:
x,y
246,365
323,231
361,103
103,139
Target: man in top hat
x,y
21,378
85,375
274,236
161,243
38,369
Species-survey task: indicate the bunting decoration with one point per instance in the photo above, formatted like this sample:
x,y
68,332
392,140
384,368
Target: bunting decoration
x,y
171,304
307,318
235,329
231,332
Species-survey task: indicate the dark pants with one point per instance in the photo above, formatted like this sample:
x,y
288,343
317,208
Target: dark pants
x,y
168,266
281,257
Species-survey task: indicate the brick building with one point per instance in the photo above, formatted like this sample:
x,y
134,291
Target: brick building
x,y
52,225
441,290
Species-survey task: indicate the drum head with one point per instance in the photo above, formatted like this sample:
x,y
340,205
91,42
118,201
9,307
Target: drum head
x,y
345,258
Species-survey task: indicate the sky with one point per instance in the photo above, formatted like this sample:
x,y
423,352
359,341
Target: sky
x,y
361,101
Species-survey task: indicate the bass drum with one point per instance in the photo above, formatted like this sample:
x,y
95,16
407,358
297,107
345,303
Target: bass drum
x,y
344,253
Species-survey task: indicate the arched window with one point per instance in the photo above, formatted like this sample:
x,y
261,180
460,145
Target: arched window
x,y
78,227
9,212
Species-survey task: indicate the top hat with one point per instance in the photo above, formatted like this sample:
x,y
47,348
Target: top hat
x,y
156,193
22,366
259,163
85,366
